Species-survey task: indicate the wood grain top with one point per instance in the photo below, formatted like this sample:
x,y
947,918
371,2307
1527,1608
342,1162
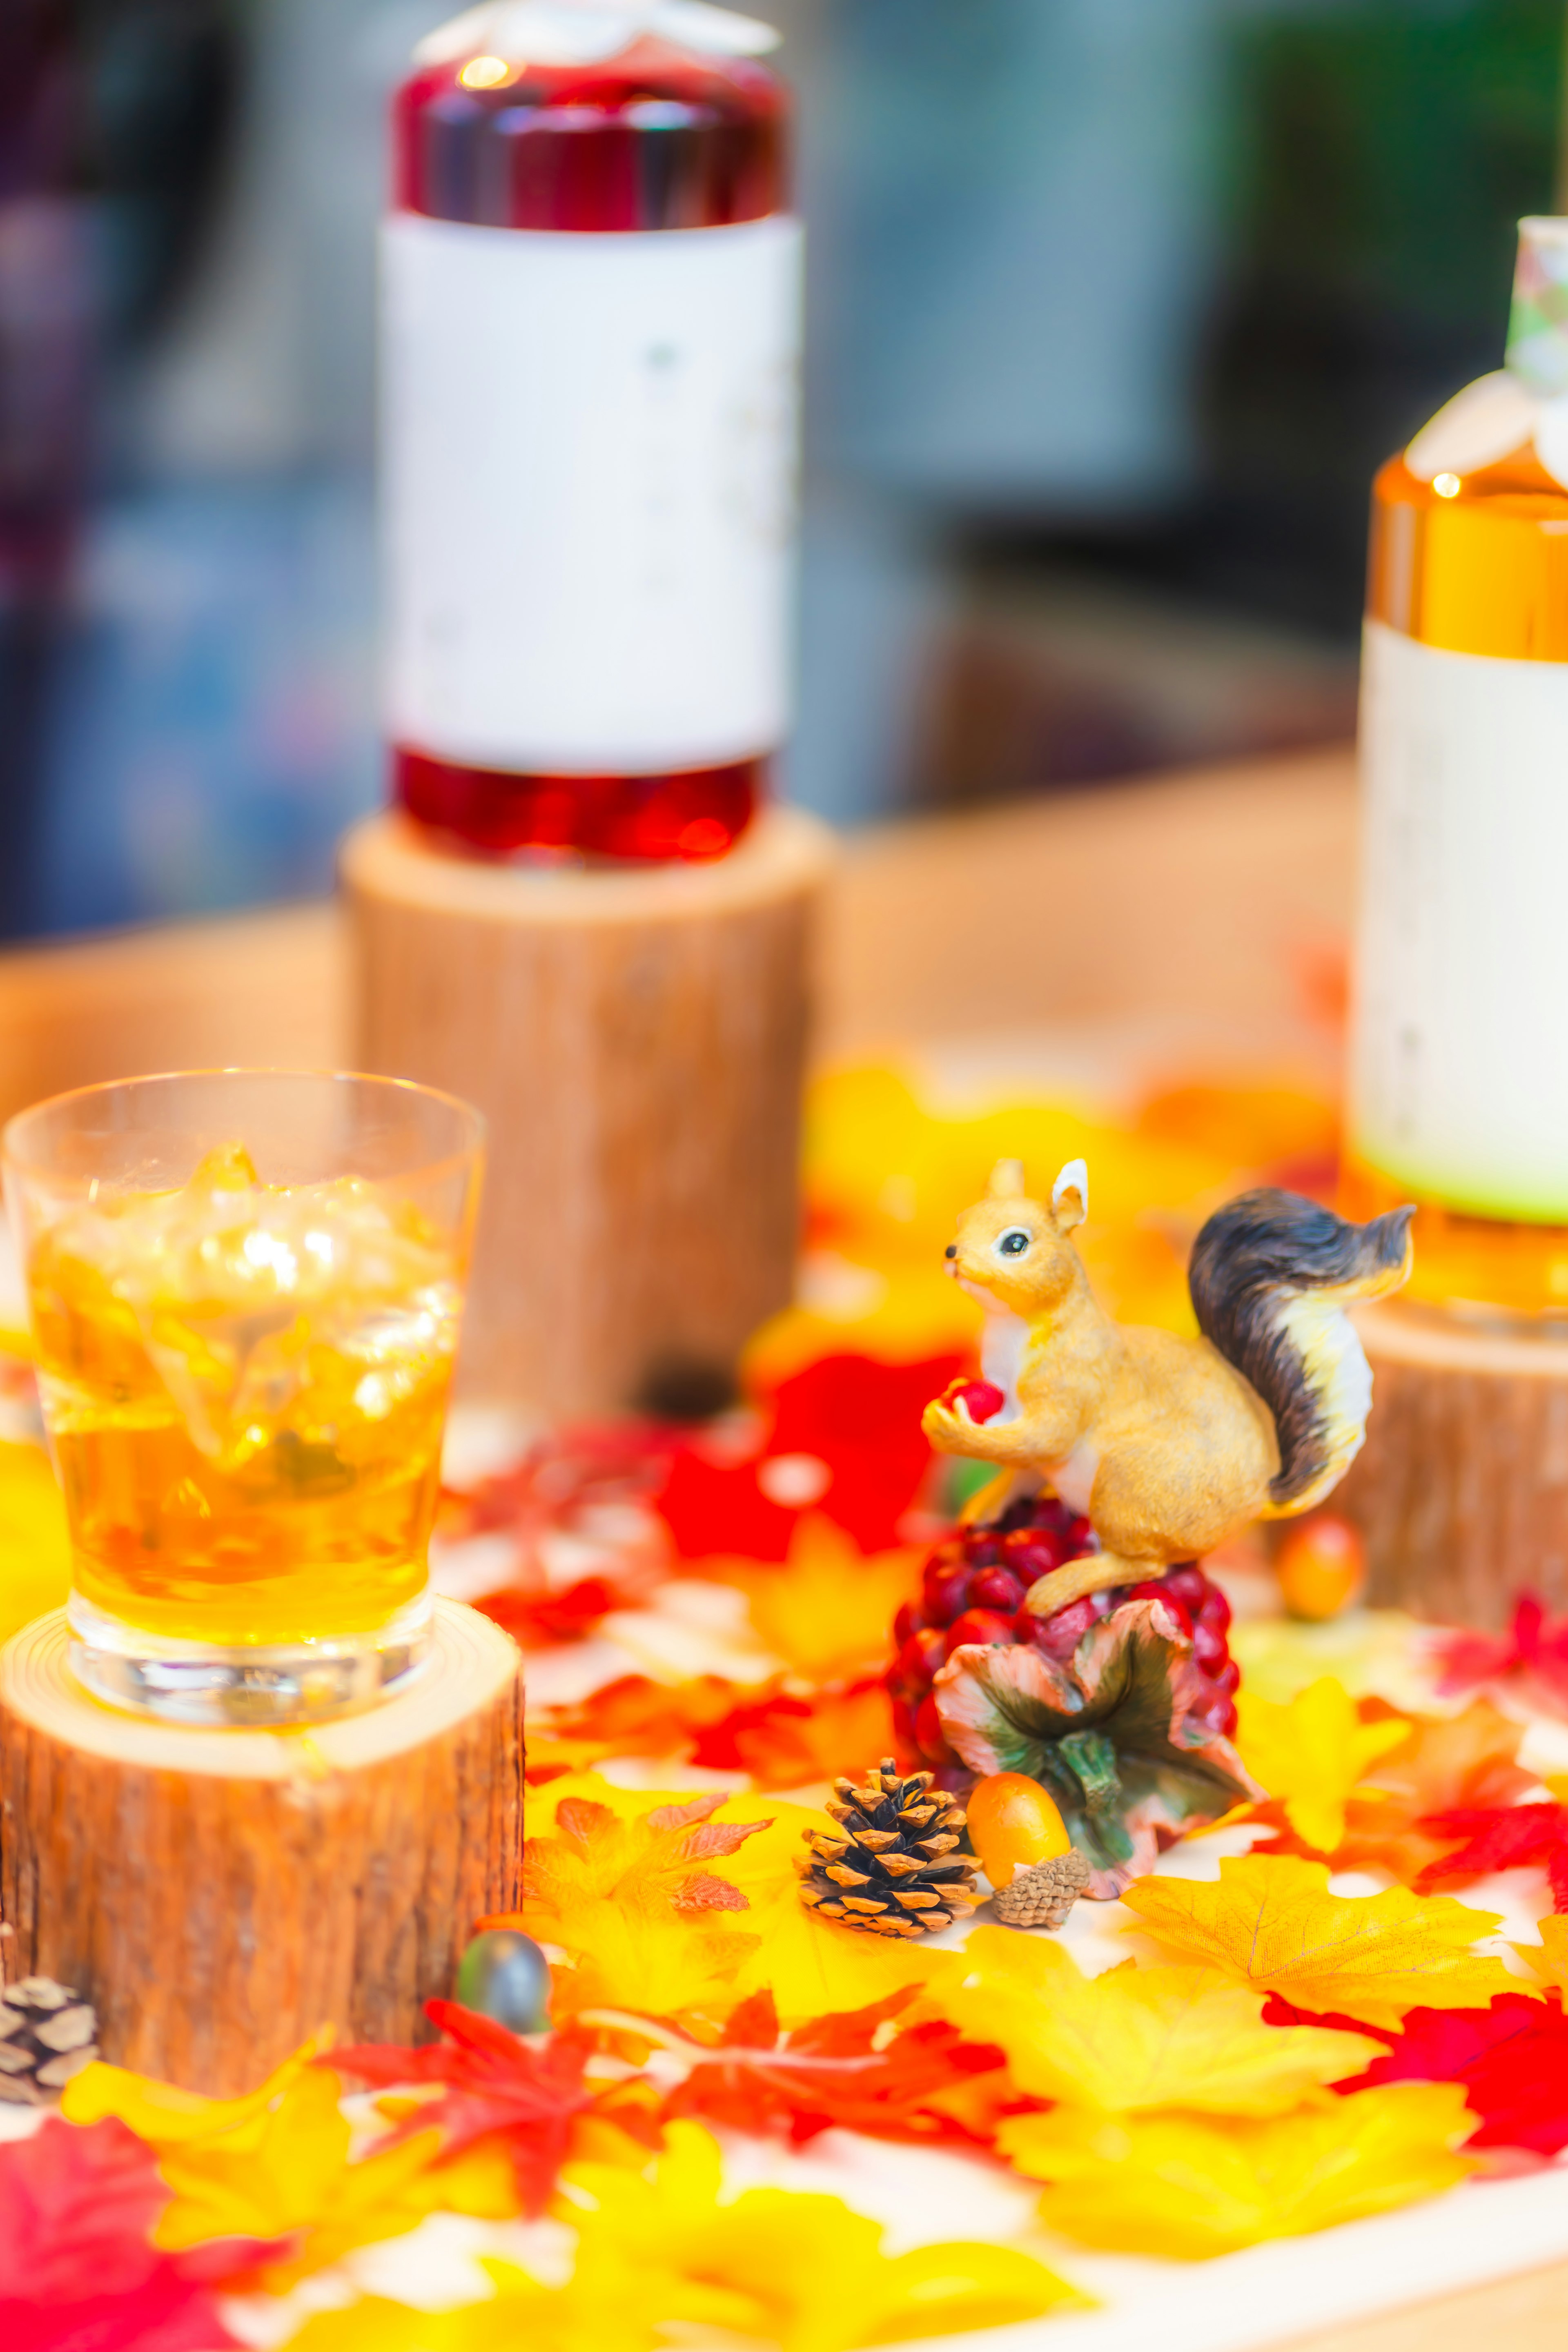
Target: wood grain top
x,y
471,1662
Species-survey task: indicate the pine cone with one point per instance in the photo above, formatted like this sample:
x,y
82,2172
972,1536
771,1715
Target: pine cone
x,y
895,1869
1042,1895
48,2033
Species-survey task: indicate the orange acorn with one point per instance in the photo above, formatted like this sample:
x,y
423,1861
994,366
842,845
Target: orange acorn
x,y
1012,1825
1321,1567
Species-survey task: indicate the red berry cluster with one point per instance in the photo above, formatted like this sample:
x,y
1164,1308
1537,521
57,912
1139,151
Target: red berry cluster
x,y
973,1591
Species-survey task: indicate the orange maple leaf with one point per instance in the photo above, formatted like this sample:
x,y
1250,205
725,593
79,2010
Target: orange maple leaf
x,y
1443,1763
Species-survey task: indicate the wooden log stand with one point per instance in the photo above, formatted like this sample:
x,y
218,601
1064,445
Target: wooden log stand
x,y
636,1039
220,1895
1461,1489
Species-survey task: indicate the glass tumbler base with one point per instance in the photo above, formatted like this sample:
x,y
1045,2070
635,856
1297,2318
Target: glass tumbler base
x,y
257,1686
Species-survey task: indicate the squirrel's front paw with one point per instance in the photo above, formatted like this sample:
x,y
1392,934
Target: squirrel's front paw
x,y
945,1427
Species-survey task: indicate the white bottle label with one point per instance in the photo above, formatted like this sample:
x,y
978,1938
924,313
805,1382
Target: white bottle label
x,y
588,447
1459,1076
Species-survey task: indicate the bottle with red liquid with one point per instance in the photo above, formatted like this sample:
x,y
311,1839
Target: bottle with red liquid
x,y
591,302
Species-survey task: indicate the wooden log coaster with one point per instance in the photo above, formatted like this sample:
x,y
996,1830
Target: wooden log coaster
x,y
220,1895
636,1038
1461,1489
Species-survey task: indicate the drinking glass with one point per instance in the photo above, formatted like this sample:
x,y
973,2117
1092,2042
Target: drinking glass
x,y
245,1289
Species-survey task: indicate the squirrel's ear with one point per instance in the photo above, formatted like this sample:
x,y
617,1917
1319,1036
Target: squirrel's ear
x,y
1006,1181
1070,1196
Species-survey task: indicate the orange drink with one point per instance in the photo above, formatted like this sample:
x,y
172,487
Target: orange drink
x,y
244,1375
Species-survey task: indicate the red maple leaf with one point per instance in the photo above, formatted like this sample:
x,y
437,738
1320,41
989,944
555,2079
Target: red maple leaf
x,y
1500,1837
1535,1648
528,2092
79,2271
1277,2011
534,1618
843,2069
1512,2059
858,1419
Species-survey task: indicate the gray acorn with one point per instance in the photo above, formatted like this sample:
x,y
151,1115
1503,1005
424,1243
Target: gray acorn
x,y
504,1975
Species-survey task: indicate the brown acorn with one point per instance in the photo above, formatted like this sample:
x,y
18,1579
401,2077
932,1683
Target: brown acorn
x,y
893,1866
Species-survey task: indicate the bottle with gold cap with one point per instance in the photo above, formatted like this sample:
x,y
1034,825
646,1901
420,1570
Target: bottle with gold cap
x,y
1458,1091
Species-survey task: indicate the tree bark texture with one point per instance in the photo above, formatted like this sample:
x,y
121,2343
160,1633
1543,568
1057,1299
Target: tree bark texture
x,y
636,1039
1461,1489
219,1897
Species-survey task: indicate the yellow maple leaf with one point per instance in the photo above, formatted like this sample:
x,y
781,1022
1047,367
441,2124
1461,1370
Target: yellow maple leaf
x,y
656,1861
1187,2187
812,1966
1549,1958
1139,2037
632,1892
522,2312
662,1967
295,2177
1271,1922
660,2256
827,1611
815,1969
1311,1753
799,2271
167,2117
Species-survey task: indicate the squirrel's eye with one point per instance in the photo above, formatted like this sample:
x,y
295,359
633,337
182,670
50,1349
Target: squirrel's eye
x,y
1014,1243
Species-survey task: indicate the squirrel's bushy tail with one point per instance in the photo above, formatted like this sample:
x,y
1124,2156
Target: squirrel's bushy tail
x,y
1271,1276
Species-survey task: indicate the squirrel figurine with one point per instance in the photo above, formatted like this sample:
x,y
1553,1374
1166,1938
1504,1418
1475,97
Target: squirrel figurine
x,y
1168,1444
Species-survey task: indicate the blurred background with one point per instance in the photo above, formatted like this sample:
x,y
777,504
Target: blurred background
x,y
1116,307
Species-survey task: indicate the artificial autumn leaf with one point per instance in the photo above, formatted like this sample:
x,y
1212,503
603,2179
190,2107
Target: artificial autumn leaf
x,y
1443,1762
826,1610
1549,1958
785,1740
1470,1759
836,2071
290,2175
1187,2187
814,1968
527,2094
1138,2038
1532,1654
1511,1837
1311,1753
633,1716
628,1898
167,2117
799,2271
78,2266
75,2209
847,1425
169,2311
661,2259
652,1863
1115,1735
1510,2059
671,1969
781,1733
537,1620
1272,1923
519,2312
